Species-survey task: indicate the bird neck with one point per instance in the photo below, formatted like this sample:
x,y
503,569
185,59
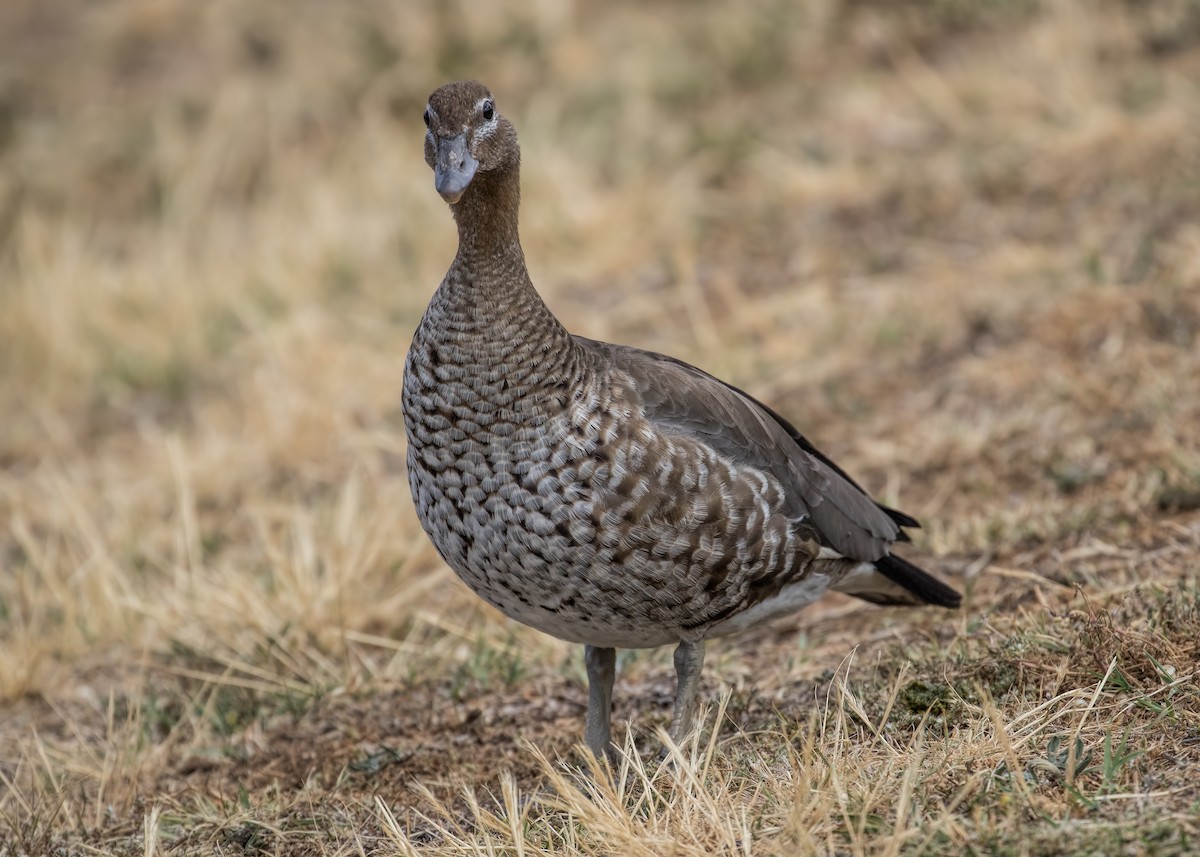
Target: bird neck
x,y
487,216
487,289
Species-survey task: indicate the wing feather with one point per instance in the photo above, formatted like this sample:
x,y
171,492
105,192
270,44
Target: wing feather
x,y
679,397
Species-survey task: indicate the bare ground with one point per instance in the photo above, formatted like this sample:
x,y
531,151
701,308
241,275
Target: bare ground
x,y
958,243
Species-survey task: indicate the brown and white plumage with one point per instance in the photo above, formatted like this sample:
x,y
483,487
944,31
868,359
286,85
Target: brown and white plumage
x,y
603,494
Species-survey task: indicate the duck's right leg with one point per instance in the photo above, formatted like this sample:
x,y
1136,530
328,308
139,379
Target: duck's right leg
x,y
601,672
689,661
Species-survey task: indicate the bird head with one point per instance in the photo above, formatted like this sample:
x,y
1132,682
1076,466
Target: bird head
x,y
465,134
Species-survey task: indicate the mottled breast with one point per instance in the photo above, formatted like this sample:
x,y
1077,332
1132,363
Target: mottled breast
x,y
544,485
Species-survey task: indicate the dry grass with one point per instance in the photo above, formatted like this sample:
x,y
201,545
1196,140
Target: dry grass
x,y
959,242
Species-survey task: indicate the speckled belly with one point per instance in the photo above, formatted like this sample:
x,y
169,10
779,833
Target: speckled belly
x,y
571,514
527,546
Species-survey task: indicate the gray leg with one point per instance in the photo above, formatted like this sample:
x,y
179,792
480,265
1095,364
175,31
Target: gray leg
x,y
601,671
689,661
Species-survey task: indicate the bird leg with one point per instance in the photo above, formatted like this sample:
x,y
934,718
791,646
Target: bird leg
x,y
689,661
601,671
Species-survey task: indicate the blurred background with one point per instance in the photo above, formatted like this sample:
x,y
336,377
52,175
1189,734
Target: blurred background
x,y
957,243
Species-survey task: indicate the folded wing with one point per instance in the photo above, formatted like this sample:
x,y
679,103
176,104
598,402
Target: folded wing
x,y
678,397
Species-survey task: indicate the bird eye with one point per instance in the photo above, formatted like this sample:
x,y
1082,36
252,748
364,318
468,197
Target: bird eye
x,y
426,117
489,111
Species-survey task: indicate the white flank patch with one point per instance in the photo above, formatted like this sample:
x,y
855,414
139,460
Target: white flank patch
x,y
865,577
789,599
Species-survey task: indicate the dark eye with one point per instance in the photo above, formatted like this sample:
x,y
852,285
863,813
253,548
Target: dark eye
x,y
426,117
489,111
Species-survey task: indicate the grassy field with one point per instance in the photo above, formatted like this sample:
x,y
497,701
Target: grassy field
x,y
957,242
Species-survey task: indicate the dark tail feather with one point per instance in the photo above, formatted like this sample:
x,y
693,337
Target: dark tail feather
x,y
899,517
917,581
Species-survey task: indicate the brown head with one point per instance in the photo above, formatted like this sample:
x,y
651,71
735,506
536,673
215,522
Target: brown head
x,y
466,135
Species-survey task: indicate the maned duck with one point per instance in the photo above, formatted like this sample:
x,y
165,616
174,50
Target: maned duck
x,y
603,494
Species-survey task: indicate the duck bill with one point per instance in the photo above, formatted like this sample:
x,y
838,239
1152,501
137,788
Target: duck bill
x,y
453,168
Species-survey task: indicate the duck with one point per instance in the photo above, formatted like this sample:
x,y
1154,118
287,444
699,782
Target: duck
x,y
603,494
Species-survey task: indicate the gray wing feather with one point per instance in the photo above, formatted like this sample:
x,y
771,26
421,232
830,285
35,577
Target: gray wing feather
x,y
682,398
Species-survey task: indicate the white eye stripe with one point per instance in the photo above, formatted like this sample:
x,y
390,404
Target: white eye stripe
x,y
486,130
